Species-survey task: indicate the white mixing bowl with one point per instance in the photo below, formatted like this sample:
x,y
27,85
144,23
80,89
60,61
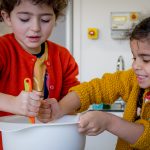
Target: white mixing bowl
x,y
61,134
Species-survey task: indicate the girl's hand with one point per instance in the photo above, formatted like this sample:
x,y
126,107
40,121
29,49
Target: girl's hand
x,y
93,122
49,110
28,103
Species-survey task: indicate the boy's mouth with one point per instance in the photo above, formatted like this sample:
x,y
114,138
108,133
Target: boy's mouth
x,y
34,38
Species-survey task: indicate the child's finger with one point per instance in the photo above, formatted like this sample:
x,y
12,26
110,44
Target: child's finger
x,y
45,104
35,103
36,95
44,111
32,108
83,122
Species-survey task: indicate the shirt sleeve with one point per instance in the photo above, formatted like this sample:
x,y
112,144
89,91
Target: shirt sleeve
x,y
106,89
143,142
70,73
3,56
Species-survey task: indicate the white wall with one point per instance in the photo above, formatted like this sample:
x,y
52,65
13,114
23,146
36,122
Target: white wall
x,y
62,33
98,56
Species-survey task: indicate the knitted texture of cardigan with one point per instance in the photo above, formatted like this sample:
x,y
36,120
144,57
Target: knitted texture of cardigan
x,y
107,90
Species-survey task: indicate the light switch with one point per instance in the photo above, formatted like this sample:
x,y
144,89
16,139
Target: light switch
x,y
93,33
134,16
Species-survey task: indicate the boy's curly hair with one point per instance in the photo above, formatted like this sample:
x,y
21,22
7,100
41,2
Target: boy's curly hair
x,y
141,31
57,5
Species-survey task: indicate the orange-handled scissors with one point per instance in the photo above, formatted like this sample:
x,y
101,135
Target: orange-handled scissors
x,y
28,88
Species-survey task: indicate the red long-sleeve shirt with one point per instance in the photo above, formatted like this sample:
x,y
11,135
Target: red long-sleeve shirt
x,y
17,64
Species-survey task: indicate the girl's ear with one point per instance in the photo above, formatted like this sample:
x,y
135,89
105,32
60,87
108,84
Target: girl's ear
x,y
6,18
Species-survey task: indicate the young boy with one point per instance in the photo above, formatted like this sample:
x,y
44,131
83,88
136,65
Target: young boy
x,y
133,86
26,53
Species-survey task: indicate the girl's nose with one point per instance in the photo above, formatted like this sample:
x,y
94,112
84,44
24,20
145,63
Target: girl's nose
x,y
137,65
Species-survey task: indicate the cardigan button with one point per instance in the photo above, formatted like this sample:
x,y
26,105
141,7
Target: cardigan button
x,y
33,59
51,87
48,63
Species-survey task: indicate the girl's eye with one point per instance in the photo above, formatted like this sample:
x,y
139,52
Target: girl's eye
x,y
146,61
133,58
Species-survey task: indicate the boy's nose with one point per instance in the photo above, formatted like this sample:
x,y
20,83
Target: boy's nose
x,y
35,26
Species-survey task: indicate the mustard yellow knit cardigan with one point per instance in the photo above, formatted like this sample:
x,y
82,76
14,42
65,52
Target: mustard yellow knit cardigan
x,y
109,88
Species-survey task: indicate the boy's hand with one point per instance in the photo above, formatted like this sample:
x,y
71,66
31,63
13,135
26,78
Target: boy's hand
x,y
49,110
28,103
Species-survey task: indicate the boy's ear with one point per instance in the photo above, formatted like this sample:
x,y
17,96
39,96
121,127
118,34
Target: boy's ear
x,y
6,18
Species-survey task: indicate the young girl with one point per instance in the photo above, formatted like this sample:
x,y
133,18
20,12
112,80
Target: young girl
x,y
26,53
133,86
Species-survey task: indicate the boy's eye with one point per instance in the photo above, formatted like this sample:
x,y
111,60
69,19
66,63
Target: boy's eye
x,y
45,20
24,20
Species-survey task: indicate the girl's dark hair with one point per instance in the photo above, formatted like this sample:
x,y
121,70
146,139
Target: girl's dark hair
x,y
141,31
57,5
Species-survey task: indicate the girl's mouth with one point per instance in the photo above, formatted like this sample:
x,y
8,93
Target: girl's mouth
x,y
141,78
